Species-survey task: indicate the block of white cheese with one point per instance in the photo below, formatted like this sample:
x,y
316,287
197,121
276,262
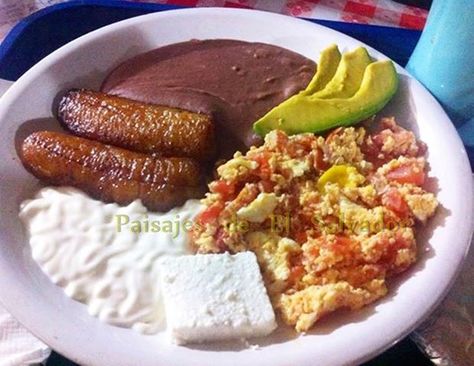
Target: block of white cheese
x,y
209,297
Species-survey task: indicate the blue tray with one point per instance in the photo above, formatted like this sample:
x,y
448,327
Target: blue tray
x,y
46,30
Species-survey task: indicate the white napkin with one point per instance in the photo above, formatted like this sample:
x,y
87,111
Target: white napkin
x,y
18,347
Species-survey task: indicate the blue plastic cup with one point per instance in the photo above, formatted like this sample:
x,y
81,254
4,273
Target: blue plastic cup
x,y
443,61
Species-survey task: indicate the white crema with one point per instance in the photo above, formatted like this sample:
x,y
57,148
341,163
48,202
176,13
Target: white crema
x,y
106,255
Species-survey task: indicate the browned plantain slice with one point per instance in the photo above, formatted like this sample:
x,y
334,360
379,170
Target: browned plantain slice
x,y
137,126
110,173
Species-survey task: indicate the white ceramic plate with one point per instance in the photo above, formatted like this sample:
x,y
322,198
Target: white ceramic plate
x,y
347,339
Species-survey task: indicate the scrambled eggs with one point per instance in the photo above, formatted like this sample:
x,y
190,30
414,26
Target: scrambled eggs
x,y
329,218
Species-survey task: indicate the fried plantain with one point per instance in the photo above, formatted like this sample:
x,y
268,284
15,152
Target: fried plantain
x,y
137,126
109,173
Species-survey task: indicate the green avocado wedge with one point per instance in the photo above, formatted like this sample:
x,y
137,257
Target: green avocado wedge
x,y
307,113
348,77
327,66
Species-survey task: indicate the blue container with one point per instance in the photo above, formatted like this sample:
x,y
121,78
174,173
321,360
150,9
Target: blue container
x,y
443,61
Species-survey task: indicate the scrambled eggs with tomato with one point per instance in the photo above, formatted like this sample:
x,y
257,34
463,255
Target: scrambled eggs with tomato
x,y
329,218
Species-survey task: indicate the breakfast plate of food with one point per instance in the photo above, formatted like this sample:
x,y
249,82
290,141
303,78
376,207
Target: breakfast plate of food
x,y
228,186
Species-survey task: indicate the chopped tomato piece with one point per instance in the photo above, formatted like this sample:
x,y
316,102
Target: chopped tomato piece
x,y
219,236
301,237
371,151
281,140
342,246
225,189
378,139
319,163
410,173
245,196
266,186
264,169
210,214
343,241
393,200
296,273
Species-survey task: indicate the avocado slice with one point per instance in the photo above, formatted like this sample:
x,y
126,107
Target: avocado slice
x,y
349,74
303,113
327,66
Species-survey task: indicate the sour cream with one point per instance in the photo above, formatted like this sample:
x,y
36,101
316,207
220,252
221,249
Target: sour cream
x,y
106,255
